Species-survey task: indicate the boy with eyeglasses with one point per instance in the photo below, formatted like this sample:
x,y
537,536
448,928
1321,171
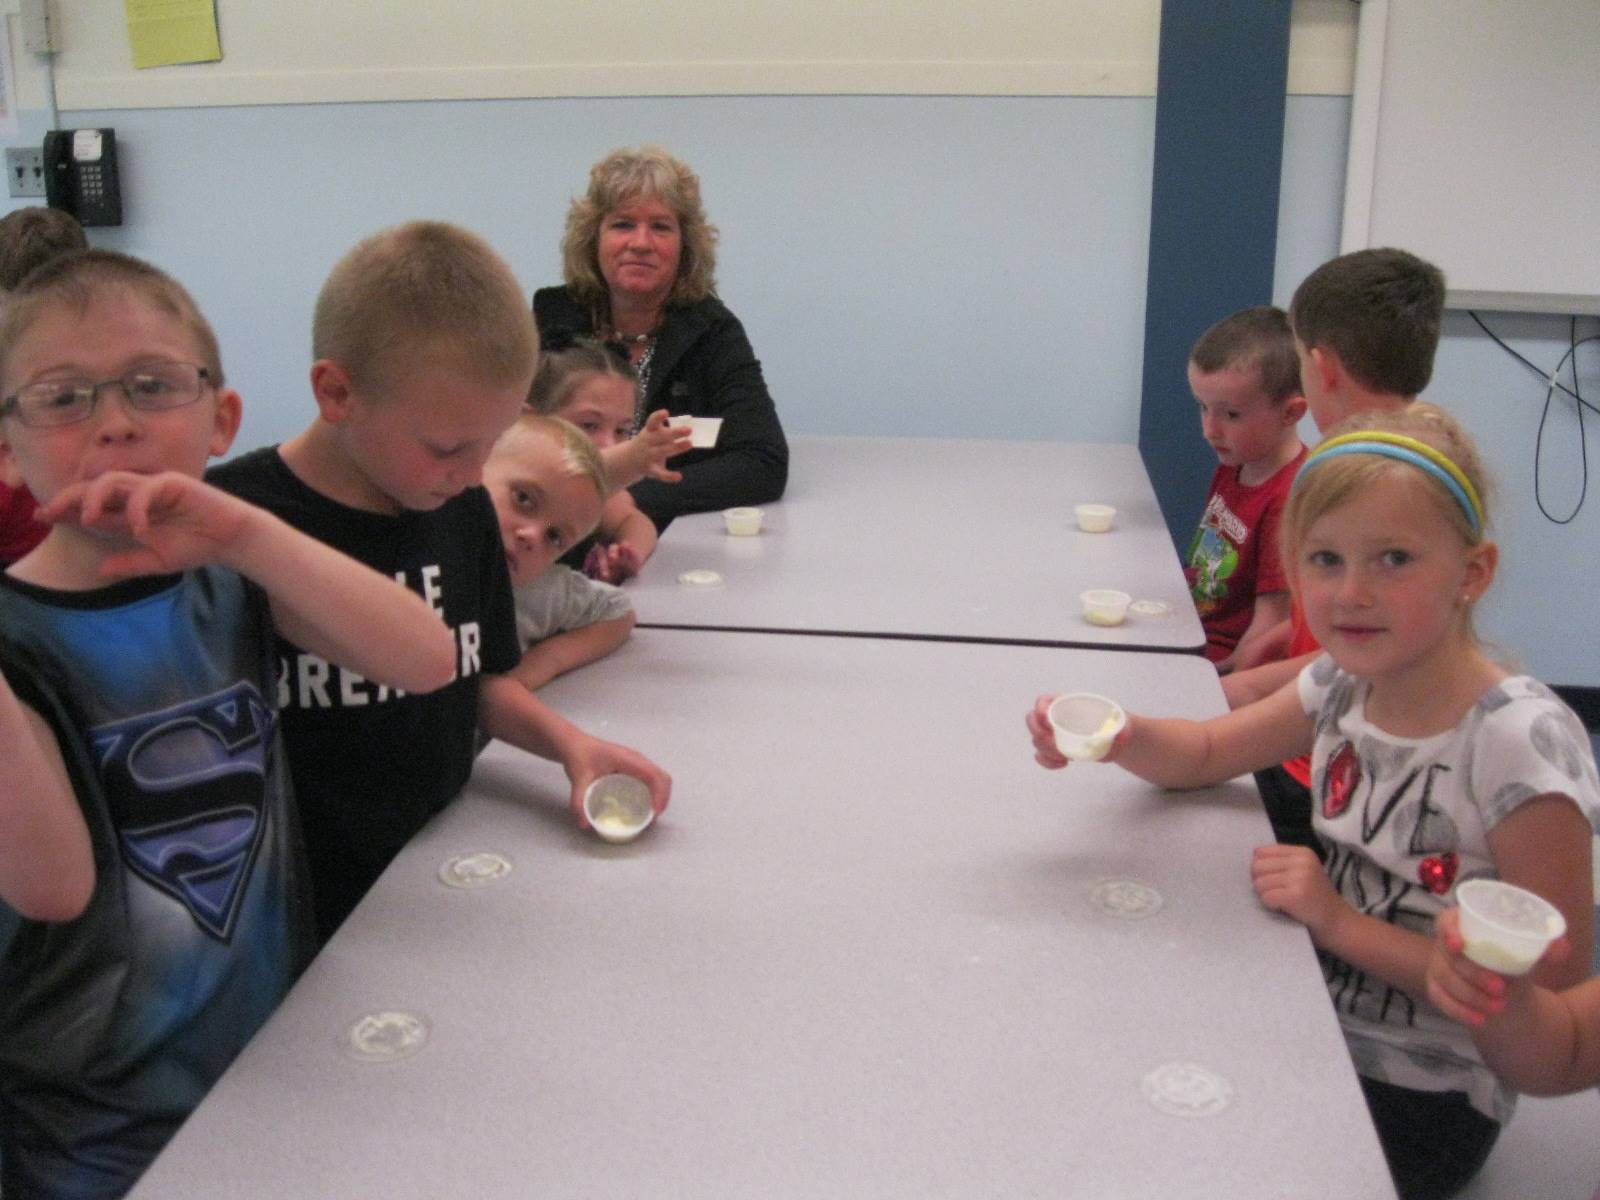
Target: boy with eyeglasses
x,y
424,349
152,908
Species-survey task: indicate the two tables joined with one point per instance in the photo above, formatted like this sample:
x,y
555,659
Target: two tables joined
x,y
871,950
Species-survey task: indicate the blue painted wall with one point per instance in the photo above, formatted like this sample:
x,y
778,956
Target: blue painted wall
x,y
906,265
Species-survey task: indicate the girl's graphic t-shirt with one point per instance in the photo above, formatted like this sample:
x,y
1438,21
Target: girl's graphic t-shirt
x,y
1405,820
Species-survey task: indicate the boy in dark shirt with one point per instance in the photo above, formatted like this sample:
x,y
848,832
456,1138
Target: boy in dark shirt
x,y
424,353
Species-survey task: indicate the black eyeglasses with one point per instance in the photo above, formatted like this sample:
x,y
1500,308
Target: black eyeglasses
x,y
153,388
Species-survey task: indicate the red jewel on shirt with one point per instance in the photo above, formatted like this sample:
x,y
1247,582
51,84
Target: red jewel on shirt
x,y
1340,781
1439,872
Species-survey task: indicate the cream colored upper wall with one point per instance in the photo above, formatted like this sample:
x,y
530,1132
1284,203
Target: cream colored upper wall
x,y
313,51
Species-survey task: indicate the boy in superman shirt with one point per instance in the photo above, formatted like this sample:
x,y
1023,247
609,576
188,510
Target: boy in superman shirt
x,y
152,906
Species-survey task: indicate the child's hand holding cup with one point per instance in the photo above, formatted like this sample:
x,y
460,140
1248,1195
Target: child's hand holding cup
x,y
1078,725
1477,961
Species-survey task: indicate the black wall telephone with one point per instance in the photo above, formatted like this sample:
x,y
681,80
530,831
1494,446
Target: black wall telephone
x,y
80,174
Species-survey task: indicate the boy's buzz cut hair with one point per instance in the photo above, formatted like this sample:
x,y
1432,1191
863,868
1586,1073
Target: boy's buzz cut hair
x,y
1256,337
578,454
1380,311
30,237
76,278
425,288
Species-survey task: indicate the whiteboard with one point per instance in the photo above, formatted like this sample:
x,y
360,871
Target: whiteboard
x,y
1475,142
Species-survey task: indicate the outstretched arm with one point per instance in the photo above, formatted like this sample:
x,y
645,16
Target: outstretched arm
x,y
1176,753
508,711
46,860
322,600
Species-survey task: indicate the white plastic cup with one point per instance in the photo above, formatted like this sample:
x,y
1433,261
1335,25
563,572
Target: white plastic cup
x,y
1506,928
1085,724
703,431
618,807
1095,518
1104,606
742,522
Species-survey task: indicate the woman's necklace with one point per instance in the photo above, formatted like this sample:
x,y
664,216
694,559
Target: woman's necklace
x,y
642,370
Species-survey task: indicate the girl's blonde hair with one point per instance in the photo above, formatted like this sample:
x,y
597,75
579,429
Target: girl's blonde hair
x,y
1325,484
562,372
617,179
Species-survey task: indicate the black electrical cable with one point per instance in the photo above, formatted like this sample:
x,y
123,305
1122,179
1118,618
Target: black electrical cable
x,y
1552,383
1542,374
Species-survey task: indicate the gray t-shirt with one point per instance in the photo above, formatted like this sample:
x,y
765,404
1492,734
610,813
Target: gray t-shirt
x,y
560,599
1405,820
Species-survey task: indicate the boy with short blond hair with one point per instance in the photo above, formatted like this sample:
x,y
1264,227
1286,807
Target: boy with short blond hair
x,y
426,350
152,907
549,487
1366,328
1246,380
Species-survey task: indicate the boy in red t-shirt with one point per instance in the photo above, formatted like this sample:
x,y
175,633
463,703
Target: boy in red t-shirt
x,y
1246,379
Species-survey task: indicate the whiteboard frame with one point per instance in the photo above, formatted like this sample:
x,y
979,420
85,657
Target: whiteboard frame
x,y
1366,114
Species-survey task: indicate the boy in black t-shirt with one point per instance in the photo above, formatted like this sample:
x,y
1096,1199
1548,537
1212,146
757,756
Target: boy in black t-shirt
x,y
424,352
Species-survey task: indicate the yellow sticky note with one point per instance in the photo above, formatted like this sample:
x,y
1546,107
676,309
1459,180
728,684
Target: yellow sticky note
x,y
165,32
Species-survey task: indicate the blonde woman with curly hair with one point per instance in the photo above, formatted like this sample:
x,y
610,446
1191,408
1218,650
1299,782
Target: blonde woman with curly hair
x,y
639,262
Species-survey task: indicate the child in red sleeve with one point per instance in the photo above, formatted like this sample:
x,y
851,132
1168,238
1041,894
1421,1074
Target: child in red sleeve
x,y
28,237
1246,380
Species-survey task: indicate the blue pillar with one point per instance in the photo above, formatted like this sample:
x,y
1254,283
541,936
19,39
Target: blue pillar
x,y
1220,95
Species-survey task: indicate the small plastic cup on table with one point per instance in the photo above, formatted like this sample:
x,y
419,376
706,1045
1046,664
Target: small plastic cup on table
x,y
1506,928
618,807
1095,518
1105,606
1085,724
742,522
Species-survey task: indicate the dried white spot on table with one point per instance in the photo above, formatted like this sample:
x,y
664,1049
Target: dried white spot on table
x,y
1125,899
1186,1089
700,578
474,870
386,1035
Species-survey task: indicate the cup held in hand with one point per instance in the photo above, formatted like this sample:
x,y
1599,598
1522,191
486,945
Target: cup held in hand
x,y
1506,928
1085,724
618,807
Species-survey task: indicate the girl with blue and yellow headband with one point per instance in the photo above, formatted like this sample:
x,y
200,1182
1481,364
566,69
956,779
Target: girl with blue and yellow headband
x,y
1431,764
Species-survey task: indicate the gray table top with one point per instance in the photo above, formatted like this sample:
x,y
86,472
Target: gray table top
x,y
866,952
925,537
